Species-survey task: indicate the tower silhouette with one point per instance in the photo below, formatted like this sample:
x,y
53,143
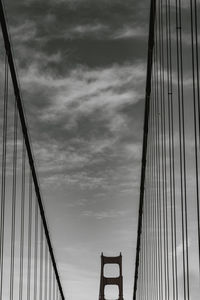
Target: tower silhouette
x,y
111,280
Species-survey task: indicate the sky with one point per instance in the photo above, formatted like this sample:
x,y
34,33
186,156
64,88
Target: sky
x,y
82,68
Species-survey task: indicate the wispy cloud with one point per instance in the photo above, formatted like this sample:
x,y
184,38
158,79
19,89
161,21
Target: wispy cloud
x,y
84,90
131,32
110,214
24,32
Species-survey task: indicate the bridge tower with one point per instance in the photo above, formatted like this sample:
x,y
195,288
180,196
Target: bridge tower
x,y
111,280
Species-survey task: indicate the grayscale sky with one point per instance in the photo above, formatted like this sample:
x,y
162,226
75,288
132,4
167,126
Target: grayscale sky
x,y
82,70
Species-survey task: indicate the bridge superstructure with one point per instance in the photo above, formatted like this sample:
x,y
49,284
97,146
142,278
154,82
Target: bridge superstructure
x,y
167,264
104,281
28,268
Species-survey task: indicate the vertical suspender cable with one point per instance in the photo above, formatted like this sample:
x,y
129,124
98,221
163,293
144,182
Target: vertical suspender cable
x,y
35,292
182,149
157,49
54,287
161,101
3,178
169,93
21,276
29,239
197,62
178,28
165,179
13,213
172,153
45,271
50,280
157,166
41,262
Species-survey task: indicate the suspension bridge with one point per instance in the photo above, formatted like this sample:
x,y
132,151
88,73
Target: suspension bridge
x,y
167,262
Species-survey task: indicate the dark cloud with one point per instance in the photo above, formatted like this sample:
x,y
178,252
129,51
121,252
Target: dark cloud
x,y
92,33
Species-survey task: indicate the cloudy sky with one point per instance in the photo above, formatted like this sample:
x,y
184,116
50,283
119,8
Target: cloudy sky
x,y
82,68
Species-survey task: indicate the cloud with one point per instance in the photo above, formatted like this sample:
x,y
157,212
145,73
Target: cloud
x,y
82,69
131,32
105,214
83,30
76,29
84,90
86,107
24,32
